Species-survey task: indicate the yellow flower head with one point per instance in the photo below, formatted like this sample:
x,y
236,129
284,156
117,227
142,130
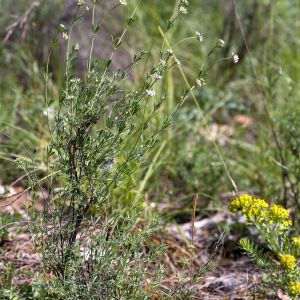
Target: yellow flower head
x,y
287,223
249,207
288,261
294,288
278,214
296,242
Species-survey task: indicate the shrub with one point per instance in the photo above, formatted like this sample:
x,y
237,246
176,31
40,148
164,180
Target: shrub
x,y
99,135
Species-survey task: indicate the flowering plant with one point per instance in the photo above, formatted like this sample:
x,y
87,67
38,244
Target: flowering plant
x,y
99,135
274,227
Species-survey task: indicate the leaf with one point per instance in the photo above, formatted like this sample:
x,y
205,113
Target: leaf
x,y
210,52
130,21
38,289
108,63
50,102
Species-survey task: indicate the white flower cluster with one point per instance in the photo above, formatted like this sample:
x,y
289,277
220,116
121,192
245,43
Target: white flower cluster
x,y
80,3
220,44
156,76
76,47
199,36
170,51
177,62
65,36
87,8
183,10
75,80
200,82
151,93
235,57
185,2
123,2
163,62
62,27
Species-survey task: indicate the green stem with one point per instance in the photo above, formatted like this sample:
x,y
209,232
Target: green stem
x,y
225,58
93,22
122,33
204,119
68,50
183,40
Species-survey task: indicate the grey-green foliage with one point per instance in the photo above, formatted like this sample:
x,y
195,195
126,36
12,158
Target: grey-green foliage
x,y
5,221
99,136
36,291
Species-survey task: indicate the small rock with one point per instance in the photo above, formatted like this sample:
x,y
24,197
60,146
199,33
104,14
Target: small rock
x,y
283,296
228,284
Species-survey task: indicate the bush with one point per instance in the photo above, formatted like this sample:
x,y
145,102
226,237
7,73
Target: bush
x,y
99,135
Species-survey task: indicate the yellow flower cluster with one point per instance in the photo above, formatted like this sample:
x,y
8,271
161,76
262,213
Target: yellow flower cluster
x,y
288,261
278,214
249,206
294,288
296,242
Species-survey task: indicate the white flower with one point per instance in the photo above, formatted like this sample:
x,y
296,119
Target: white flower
x,y
156,76
62,27
123,2
280,70
76,80
235,57
220,44
76,47
87,8
65,36
200,82
183,10
185,2
80,3
288,80
170,51
150,93
163,62
177,62
199,36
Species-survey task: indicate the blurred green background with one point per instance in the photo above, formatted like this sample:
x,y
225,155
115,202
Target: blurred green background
x,y
185,162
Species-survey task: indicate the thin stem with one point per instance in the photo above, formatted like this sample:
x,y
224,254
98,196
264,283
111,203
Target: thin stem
x,y
122,33
46,100
193,233
183,40
225,58
204,119
68,50
93,23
